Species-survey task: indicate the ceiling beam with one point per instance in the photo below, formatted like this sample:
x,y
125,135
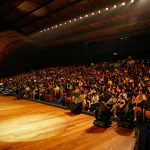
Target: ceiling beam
x,y
50,12
30,12
13,7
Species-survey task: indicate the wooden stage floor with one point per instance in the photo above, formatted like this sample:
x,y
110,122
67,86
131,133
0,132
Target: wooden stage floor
x,y
28,125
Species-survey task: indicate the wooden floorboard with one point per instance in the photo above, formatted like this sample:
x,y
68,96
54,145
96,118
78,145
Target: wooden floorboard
x,y
28,125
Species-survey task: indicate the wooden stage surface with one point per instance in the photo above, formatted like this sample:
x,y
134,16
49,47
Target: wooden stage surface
x,y
28,125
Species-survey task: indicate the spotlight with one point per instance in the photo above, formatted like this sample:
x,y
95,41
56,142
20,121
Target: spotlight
x,y
86,15
52,27
106,9
132,1
99,11
123,3
92,13
65,23
47,28
41,31
56,26
75,19
60,24
115,6
80,17
69,20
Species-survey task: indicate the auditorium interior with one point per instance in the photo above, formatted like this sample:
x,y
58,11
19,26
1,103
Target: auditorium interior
x,y
75,74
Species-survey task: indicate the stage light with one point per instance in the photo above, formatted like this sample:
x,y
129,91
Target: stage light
x,y
123,3
86,15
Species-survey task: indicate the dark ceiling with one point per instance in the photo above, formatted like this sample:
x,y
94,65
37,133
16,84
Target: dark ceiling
x,y
60,22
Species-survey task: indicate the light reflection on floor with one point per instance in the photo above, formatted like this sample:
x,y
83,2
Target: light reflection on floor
x,y
30,128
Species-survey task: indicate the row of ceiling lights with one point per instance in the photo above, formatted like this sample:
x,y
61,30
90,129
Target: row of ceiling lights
x,y
82,17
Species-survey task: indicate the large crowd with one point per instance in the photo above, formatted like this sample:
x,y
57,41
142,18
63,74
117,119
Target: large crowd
x,y
117,84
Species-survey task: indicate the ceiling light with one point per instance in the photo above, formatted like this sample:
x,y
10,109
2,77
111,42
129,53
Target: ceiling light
x,y
52,27
56,26
75,19
115,6
106,9
44,29
132,1
92,13
65,23
47,28
41,31
60,24
123,3
80,17
86,15
115,54
99,11
69,20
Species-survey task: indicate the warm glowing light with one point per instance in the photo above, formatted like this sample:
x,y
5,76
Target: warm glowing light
x,y
52,27
115,6
123,3
27,127
47,28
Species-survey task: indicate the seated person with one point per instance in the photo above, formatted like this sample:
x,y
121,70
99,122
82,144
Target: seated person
x,y
138,103
119,104
83,98
111,101
76,95
94,100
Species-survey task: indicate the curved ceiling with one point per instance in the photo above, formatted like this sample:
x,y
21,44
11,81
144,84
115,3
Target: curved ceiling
x,y
32,16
